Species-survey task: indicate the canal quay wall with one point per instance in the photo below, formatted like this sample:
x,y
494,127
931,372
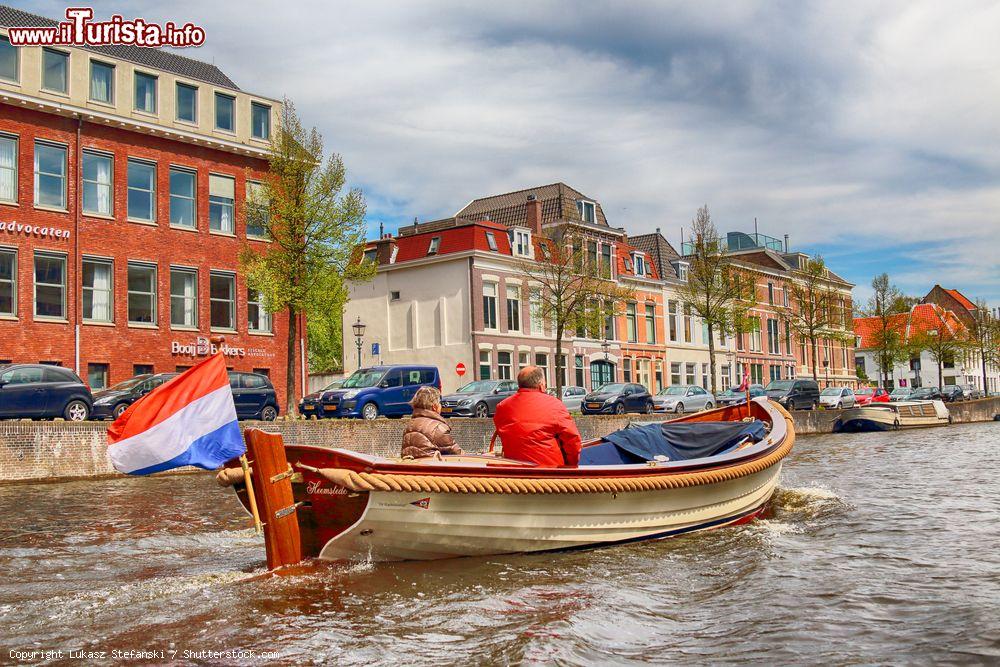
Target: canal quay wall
x,y
61,451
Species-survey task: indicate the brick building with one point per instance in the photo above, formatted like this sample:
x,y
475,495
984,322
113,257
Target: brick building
x,y
124,173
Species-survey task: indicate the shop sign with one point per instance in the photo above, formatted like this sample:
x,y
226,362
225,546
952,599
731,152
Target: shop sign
x,y
33,230
202,347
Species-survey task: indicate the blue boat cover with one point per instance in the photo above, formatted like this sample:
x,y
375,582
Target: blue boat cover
x,y
676,442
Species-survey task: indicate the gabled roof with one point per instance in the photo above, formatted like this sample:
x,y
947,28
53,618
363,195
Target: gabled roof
x,y
456,239
920,319
558,203
154,58
867,327
624,252
961,298
659,250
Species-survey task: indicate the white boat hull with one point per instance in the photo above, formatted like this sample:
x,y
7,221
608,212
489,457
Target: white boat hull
x,y
895,416
425,526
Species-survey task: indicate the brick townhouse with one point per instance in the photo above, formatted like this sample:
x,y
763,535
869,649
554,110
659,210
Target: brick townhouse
x,y
124,173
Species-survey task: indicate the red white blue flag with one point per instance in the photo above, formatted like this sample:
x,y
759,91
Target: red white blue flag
x,y
745,385
187,421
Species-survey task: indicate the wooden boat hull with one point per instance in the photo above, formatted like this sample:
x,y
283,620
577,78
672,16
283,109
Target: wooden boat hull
x,y
894,416
355,507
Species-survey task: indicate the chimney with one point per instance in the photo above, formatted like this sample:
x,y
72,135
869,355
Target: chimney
x,y
384,249
534,215
786,242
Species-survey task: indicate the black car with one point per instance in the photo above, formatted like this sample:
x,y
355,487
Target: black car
x,y
618,398
39,391
110,403
952,393
794,394
734,396
925,394
254,396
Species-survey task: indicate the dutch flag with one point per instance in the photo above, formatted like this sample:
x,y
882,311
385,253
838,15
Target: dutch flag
x,y
187,421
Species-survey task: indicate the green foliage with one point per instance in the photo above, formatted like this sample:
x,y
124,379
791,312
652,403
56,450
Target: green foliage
x,y
888,341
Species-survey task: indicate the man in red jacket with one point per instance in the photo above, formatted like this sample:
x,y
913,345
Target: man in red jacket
x,y
536,427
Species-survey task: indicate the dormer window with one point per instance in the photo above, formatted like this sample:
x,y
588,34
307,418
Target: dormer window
x,y
521,242
628,265
640,264
491,241
682,269
588,210
433,247
371,255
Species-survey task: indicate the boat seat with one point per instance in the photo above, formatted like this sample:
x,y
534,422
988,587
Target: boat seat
x,y
671,442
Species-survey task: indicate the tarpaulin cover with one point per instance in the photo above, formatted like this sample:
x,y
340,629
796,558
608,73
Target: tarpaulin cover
x,y
676,442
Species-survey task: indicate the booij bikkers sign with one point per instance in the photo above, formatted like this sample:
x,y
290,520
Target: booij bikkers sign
x,y
202,347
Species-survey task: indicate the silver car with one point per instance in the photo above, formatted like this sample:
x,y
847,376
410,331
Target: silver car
x,y
836,398
572,397
682,398
477,399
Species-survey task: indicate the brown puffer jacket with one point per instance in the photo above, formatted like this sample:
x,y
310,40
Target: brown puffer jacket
x,y
426,434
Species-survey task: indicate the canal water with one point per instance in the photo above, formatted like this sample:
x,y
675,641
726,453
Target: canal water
x,y
880,548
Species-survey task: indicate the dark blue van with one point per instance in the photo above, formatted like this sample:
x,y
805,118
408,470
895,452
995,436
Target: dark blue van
x,y
373,392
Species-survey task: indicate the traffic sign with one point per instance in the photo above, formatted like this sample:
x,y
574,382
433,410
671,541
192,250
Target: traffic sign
x,y
460,369
376,350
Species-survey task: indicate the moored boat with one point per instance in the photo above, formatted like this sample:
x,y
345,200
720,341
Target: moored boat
x,y
706,470
893,416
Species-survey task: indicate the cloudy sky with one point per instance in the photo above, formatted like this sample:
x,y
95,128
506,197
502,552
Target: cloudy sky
x,y
868,132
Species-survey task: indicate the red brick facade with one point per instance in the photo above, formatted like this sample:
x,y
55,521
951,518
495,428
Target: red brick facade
x,y
119,344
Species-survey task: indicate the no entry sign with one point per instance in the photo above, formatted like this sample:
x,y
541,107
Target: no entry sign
x,y
460,369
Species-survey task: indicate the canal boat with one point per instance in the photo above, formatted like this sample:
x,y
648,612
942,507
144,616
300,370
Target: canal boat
x,y
711,469
893,416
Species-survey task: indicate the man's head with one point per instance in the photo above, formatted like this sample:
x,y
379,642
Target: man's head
x,y
531,377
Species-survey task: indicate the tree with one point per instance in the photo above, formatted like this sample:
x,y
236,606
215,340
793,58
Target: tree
x,y
570,292
888,337
326,342
814,311
983,339
943,343
314,230
715,290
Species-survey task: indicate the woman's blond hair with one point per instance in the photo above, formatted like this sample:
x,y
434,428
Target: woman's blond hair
x,y
426,398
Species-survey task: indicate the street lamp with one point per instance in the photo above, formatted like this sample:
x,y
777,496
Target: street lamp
x,y
729,360
359,333
826,366
605,346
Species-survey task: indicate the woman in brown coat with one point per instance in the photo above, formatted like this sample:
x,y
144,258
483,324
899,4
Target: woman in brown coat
x,y
427,433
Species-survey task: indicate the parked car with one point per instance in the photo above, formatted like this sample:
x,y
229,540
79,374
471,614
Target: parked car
x,y
733,396
254,396
41,391
110,403
315,403
869,395
477,399
900,394
837,398
374,391
572,397
952,392
617,398
925,394
972,393
683,398
794,394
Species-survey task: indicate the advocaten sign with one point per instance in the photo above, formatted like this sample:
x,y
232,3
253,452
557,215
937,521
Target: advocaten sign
x,y
37,230
202,347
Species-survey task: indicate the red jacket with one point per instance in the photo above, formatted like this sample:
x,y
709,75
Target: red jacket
x,y
536,427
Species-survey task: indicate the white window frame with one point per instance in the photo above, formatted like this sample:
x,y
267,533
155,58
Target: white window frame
x,y
521,242
535,306
153,300
581,207
232,206
232,303
513,323
17,62
434,245
509,366
250,187
156,92
495,296
34,275
12,281
90,81
152,193
486,360
215,121
639,261
65,175
491,242
66,60
110,185
110,290
190,272
177,115
194,197
14,171
253,130
262,314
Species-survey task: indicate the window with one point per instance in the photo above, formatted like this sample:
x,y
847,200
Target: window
x,y
8,282
578,363
258,211
102,82
183,298
522,360
757,373
182,198
142,369
435,243
640,265
773,340
485,365
675,373
50,175
627,369
55,70
258,319
8,169
491,241
141,191
588,211
97,376
98,290
187,103
489,305
726,378
788,338
222,300
9,61
97,170
755,344
688,335
630,324
503,366
542,361
394,295
513,309
650,323
592,256
145,92
537,325
774,372
606,268
260,121
672,319
225,112
221,197
141,293
770,294
704,375
522,242
266,372
50,285
691,371
609,323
